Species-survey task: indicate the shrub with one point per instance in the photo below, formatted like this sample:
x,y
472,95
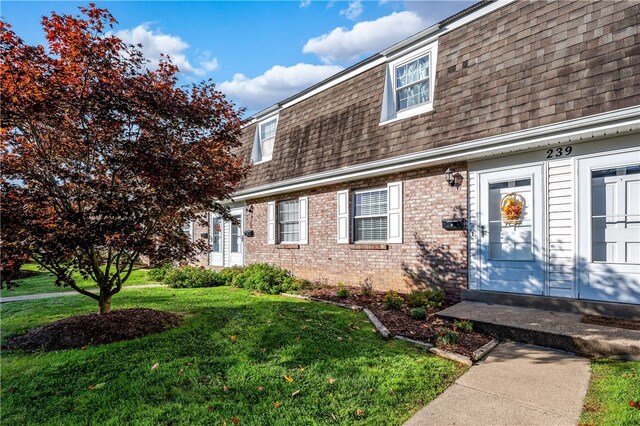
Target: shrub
x,y
266,279
463,325
426,299
158,273
418,313
227,274
366,286
192,277
392,301
342,291
448,337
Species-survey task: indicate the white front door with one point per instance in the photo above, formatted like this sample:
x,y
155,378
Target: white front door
x,y
511,254
609,227
235,246
216,240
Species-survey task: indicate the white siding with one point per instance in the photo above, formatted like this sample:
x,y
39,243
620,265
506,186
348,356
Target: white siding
x,y
473,230
561,232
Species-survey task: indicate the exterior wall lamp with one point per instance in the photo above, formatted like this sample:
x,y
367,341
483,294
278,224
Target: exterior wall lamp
x,y
448,175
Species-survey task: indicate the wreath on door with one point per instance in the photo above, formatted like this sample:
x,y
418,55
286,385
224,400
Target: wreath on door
x,y
512,208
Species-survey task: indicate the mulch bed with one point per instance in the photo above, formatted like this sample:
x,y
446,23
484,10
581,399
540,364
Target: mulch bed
x,y
400,323
93,329
611,322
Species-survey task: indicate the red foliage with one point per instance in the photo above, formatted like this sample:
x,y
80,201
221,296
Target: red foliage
x,y
106,157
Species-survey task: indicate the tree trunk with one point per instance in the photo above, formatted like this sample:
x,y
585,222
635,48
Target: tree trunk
x,y
104,303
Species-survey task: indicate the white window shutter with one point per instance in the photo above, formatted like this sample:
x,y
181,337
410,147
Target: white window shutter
x,y
303,204
271,222
395,213
343,217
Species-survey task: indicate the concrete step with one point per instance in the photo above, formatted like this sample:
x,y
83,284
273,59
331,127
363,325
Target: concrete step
x,y
556,304
559,330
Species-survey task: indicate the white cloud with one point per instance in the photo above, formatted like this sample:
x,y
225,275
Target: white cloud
x,y
353,10
305,3
276,84
155,43
365,37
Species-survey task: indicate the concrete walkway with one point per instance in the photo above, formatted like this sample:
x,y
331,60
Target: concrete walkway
x,y
517,384
66,293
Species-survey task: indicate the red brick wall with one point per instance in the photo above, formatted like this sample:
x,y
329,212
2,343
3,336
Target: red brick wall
x,y
428,253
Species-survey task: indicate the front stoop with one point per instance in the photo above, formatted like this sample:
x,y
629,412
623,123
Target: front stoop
x,y
559,330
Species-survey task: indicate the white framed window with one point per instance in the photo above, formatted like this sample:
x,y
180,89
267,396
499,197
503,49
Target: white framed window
x,y
187,228
410,84
370,221
264,140
289,221
375,215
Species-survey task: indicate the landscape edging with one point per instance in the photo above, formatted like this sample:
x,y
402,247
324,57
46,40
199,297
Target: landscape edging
x,y
384,332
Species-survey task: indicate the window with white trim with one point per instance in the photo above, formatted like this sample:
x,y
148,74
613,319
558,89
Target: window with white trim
x,y
187,228
370,215
289,221
264,140
410,84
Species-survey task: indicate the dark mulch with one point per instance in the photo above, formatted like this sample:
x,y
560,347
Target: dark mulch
x,y
611,322
400,323
93,329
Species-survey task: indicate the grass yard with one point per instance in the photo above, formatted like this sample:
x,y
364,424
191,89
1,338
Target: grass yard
x,y
43,282
237,358
613,385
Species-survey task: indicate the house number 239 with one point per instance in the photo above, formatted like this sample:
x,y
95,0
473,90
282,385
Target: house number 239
x,y
559,152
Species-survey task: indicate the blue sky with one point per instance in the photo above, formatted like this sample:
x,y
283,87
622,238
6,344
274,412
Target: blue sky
x,y
258,53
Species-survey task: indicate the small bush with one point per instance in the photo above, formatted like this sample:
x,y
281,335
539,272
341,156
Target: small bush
x,y
227,274
266,279
158,273
192,277
418,313
392,301
426,299
447,338
342,291
463,325
366,286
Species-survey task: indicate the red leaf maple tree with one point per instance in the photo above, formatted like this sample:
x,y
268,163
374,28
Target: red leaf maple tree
x,y
103,159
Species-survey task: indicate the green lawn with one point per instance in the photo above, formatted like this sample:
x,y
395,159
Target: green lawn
x,y
43,282
345,373
613,385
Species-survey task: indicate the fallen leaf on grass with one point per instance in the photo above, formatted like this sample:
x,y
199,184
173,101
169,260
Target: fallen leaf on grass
x,y
189,364
288,378
232,338
276,404
634,404
235,420
297,338
339,339
261,388
296,393
96,386
263,350
225,388
331,381
333,416
374,330
210,409
155,366
359,412
181,372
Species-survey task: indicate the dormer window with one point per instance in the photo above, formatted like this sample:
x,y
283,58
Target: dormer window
x,y
410,84
264,139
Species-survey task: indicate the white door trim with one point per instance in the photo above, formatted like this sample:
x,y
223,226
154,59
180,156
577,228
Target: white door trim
x,y
534,171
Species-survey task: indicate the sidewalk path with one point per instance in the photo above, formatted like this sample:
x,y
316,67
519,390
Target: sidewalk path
x,y
517,384
66,293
